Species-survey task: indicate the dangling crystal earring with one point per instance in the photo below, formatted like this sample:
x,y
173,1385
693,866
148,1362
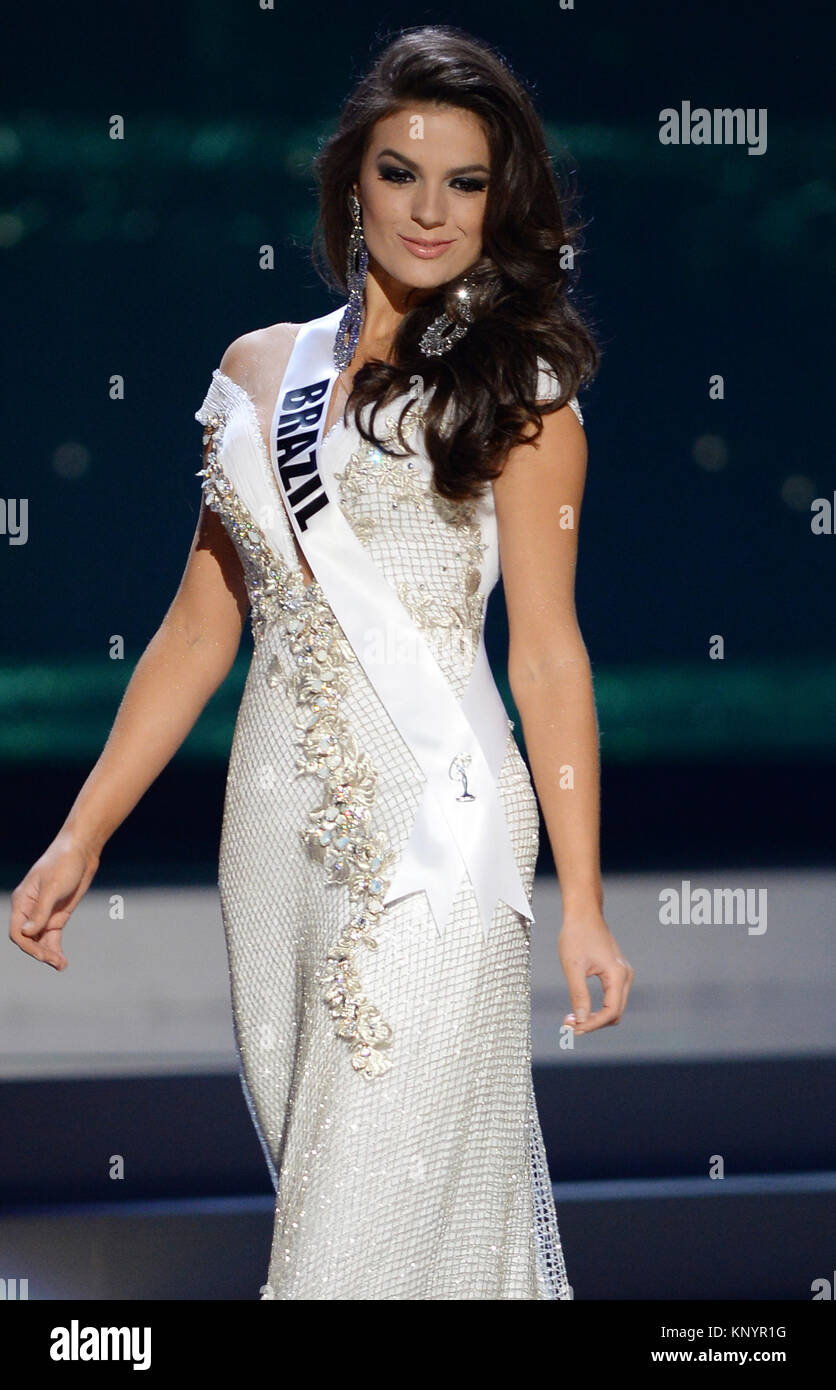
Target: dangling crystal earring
x,y
443,332
345,343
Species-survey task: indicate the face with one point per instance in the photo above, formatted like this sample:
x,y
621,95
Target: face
x,y
422,190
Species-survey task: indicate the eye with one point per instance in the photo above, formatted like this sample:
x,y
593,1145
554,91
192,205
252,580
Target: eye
x,y
392,173
469,185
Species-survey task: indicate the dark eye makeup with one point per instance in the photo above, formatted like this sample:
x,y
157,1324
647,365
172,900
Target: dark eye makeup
x,y
395,173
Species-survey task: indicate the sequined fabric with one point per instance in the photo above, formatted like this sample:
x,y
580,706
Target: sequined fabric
x,y
387,1070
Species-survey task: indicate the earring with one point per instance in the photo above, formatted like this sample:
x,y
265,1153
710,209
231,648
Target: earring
x,y
443,332
345,343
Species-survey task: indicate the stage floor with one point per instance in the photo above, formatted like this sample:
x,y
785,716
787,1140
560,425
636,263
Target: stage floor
x,y
148,993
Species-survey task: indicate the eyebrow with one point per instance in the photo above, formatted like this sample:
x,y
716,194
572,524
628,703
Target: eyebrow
x,y
465,169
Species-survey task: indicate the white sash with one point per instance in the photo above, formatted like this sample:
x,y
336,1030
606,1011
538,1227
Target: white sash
x,y
450,835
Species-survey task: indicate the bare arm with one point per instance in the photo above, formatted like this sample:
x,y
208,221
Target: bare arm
x,y
185,662
538,502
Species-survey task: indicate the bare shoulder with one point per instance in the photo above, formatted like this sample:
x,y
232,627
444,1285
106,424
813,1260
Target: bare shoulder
x,y
245,355
555,465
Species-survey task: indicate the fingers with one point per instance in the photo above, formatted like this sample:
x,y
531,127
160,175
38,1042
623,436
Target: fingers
x,y
49,943
34,927
45,899
629,974
579,998
616,980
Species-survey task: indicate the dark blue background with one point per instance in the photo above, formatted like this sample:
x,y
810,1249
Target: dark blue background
x,y
140,257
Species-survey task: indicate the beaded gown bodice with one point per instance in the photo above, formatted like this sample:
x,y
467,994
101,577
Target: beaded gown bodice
x,y
368,1061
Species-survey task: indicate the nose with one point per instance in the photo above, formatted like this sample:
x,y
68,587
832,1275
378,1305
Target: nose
x,y
429,207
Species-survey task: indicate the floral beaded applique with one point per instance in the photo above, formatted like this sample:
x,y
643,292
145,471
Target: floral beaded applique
x,y
463,612
460,605
339,834
263,576
372,467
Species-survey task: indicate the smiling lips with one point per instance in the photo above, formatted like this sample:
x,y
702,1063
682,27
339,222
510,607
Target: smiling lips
x,y
425,249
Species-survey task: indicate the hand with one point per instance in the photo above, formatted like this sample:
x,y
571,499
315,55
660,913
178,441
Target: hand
x,y
45,898
588,947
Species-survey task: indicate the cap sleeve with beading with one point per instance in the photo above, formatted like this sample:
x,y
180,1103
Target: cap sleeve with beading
x,y
219,399
548,387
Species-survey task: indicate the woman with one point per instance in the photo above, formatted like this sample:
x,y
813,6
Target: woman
x,y
362,474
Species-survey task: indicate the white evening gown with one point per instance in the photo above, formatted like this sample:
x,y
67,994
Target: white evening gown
x,y
413,1168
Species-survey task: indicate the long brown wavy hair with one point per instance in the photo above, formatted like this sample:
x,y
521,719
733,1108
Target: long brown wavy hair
x,y
485,387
